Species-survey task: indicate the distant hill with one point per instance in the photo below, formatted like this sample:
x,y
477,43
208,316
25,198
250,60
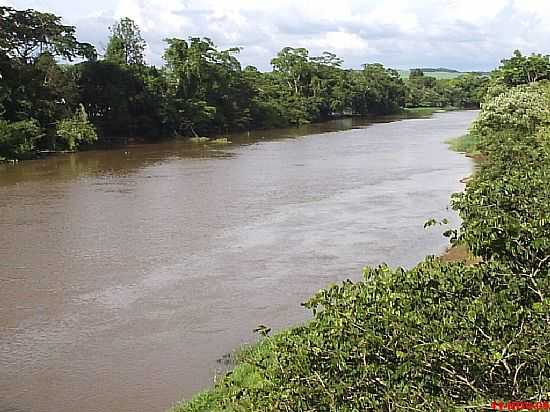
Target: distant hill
x,y
439,69
438,73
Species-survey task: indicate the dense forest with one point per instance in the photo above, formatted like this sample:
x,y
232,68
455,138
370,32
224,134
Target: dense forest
x,y
57,93
472,334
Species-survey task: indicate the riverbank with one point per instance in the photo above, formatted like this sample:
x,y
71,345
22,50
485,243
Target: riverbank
x,y
469,146
449,334
216,139
428,111
249,362
168,255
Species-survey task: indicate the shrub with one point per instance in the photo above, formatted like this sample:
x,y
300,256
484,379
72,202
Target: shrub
x,y
437,337
522,109
506,208
76,130
441,336
17,138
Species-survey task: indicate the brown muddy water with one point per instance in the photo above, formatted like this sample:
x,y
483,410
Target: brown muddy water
x,y
126,274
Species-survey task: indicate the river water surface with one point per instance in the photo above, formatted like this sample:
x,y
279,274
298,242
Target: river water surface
x,y
125,275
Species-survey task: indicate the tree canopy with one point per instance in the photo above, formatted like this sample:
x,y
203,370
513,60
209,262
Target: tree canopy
x,y
27,34
126,46
201,89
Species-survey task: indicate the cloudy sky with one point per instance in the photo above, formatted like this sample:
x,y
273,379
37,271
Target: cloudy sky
x,y
461,34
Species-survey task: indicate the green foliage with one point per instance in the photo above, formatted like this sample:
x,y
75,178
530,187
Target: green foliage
x,y
466,90
76,130
293,67
438,337
35,88
201,90
506,209
126,46
523,109
468,143
441,336
123,100
17,139
207,86
26,34
377,90
520,69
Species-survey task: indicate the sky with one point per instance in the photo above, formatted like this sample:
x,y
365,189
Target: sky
x,y
466,35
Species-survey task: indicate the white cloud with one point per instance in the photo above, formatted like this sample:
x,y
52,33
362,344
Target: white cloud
x,y
472,11
465,34
338,40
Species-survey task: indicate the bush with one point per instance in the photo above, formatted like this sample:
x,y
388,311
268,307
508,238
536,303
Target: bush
x,y
17,138
76,130
506,208
468,143
522,109
441,336
437,337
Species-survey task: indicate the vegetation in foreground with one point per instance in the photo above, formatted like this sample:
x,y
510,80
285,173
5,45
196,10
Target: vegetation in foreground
x,y
442,336
201,90
467,144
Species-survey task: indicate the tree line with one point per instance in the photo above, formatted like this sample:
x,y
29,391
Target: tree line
x,y
56,93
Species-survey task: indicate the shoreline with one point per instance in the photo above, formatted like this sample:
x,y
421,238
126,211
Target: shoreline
x,y
242,371
465,146
111,143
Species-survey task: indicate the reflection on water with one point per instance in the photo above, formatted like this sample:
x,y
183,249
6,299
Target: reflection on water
x,y
126,274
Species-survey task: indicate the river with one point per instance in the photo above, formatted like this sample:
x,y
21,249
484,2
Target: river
x,y
125,275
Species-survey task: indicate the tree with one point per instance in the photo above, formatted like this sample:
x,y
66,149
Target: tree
x,y
27,34
378,90
523,108
520,69
17,139
293,66
34,86
126,46
76,129
121,101
415,73
208,88
202,89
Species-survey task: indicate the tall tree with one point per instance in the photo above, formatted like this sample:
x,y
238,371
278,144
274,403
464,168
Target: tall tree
x,y
520,69
207,85
378,90
27,34
294,67
126,46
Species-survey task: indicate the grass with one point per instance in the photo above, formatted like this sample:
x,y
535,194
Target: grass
x,y
199,139
467,144
438,75
424,111
242,377
460,254
420,111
